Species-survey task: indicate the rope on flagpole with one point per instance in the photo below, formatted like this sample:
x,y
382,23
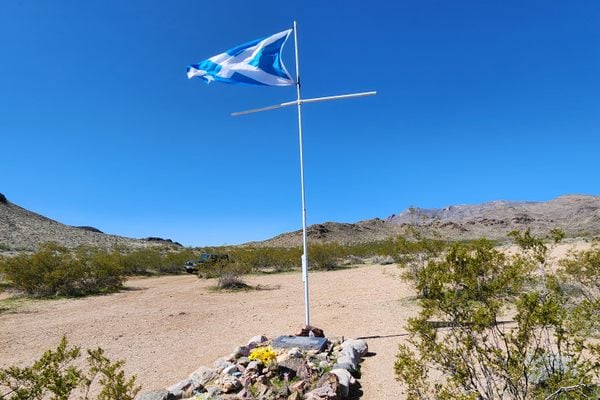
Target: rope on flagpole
x,y
300,139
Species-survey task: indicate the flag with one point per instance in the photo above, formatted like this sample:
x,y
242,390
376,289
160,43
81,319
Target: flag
x,y
255,63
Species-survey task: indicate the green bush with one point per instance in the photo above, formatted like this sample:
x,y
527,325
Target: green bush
x,y
326,256
545,352
56,271
54,376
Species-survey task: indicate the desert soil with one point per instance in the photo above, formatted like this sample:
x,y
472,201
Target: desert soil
x,y
166,327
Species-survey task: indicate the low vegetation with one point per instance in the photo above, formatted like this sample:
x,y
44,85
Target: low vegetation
x,y
56,376
498,326
55,270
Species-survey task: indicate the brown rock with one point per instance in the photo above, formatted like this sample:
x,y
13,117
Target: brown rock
x,y
329,389
306,329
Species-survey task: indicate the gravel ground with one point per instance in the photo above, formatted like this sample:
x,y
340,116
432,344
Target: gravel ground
x,y
166,327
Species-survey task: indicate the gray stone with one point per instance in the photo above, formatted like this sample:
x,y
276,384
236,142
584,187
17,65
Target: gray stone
x,y
178,390
253,366
243,361
347,366
230,370
336,340
230,383
294,352
255,341
301,342
358,345
202,376
345,379
347,360
241,351
329,389
213,391
155,395
221,364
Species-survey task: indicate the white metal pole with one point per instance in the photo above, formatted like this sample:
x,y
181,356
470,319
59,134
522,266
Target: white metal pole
x,y
304,241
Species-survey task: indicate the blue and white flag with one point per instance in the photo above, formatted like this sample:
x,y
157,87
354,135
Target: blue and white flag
x,y
255,63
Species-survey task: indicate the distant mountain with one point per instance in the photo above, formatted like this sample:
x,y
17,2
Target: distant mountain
x,y
21,229
577,215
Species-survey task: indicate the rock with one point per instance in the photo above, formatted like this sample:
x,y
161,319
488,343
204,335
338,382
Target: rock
x,y
299,386
244,394
283,392
306,330
295,396
335,340
256,341
3,199
282,358
230,370
221,364
345,379
213,391
156,395
330,389
241,351
178,390
347,362
357,345
294,352
230,383
296,367
243,361
202,376
253,366
347,366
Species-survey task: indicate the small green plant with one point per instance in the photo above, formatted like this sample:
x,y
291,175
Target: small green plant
x,y
53,376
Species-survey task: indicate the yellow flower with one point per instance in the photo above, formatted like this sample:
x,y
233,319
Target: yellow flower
x,y
263,354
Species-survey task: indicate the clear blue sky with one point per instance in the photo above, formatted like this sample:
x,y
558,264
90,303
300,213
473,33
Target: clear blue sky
x,y
477,101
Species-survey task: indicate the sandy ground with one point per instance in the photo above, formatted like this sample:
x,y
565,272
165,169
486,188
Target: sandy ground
x,y
166,327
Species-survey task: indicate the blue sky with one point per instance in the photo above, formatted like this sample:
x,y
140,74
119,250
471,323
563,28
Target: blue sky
x,y
477,101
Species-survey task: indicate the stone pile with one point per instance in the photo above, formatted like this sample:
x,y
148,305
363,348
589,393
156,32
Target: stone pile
x,y
292,374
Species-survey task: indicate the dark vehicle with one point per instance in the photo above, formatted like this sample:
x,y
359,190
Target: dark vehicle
x,y
204,259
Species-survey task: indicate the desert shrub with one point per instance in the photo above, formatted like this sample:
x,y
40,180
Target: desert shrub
x,y
141,261
54,376
325,256
55,271
258,259
232,281
153,260
544,353
583,267
173,261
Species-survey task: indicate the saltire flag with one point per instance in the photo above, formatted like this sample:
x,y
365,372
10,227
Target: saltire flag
x,y
255,63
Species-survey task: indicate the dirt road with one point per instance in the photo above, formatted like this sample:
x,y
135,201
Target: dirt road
x,y
166,327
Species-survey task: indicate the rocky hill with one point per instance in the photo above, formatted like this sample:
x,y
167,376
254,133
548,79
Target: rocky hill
x,y
577,215
21,229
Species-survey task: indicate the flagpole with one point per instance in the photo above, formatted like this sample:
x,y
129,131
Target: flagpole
x,y
300,139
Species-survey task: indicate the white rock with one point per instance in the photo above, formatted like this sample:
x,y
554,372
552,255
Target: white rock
x,y
346,379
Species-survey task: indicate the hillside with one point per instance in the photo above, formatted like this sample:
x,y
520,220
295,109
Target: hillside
x,y
21,229
577,215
